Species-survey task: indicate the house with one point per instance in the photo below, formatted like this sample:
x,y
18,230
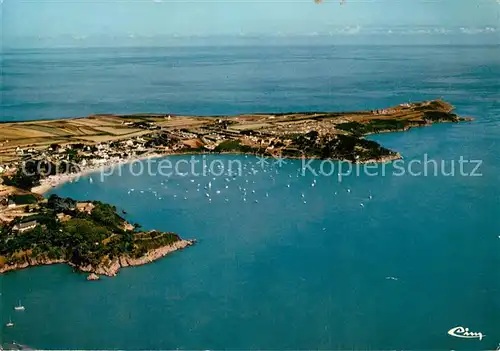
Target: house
x,y
127,226
85,207
63,217
22,227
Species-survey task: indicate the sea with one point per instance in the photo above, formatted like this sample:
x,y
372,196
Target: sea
x,y
289,255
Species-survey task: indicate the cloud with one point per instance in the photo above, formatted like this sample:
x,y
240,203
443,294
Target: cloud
x,y
467,30
79,37
441,30
350,30
433,30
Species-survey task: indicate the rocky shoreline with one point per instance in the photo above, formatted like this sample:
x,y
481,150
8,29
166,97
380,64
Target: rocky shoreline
x,y
112,267
30,262
383,159
109,268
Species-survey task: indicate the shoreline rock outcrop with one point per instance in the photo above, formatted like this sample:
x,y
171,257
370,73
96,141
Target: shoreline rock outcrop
x,y
30,262
93,276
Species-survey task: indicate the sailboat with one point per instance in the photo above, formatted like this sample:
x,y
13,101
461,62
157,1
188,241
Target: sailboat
x,y
19,307
10,324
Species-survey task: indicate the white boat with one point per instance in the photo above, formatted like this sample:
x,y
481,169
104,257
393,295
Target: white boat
x,y
19,307
9,324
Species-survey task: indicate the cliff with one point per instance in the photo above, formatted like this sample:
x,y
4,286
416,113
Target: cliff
x,y
108,267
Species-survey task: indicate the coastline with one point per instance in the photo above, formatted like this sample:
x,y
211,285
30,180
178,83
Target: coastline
x,y
57,180
301,135
109,268
54,181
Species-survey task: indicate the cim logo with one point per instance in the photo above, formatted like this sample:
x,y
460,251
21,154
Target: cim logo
x,y
461,332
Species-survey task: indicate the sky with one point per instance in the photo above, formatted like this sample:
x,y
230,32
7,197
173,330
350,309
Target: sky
x,y
81,21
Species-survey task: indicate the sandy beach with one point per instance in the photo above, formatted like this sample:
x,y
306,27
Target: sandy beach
x,y
59,179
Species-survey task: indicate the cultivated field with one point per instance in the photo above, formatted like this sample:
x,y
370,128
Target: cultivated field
x,y
103,128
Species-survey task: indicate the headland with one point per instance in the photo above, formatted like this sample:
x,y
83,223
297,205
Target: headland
x,y
89,235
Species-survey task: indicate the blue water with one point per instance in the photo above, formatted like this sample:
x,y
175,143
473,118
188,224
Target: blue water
x,y
280,273
41,84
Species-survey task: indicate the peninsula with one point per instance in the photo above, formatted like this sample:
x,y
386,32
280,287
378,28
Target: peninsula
x,y
98,138
91,236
